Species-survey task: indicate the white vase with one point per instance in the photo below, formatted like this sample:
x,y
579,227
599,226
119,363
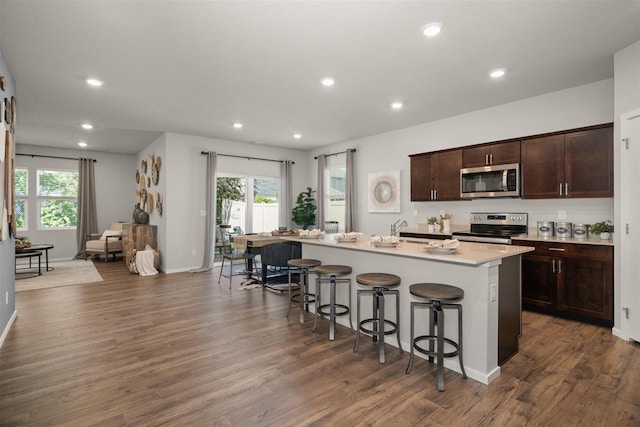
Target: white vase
x,y
605,236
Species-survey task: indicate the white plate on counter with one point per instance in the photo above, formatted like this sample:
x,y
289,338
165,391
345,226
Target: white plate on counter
x,y
347,240
385,244
440,251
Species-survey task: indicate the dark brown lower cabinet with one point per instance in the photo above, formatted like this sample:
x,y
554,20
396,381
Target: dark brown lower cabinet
x,y
569,280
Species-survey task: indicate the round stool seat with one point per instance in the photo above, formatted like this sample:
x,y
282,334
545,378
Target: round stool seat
x,y
378,279
303,263
436,291
333,270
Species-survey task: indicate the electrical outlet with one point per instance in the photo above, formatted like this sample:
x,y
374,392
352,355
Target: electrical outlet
x,y
562,214
415,213
203,213
193,252
494,290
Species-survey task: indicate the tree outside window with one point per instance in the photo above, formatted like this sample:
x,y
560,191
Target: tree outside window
x,y
57,193
21,191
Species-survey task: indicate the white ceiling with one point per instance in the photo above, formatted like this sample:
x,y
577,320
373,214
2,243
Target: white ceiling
x,y
195,67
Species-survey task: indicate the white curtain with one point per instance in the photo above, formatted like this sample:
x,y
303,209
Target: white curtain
x,y
320,191
87,212
286,203
349,197
210,226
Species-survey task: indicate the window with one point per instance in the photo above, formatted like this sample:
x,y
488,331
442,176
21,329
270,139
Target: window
x,y
57,195
251,203
21,191
335,187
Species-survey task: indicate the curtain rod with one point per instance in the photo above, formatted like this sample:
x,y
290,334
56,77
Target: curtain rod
x,y
50,157
246,157
339,152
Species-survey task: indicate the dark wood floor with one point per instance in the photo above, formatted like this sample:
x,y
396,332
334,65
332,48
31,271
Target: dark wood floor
x,y
182,350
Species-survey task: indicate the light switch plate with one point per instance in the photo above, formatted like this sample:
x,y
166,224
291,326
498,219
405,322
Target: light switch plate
x,y
562,214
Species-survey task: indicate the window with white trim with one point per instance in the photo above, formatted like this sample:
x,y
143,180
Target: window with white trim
x,y
57,198
21,198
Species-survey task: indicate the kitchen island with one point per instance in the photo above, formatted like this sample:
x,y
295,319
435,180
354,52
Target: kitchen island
x,y
489,274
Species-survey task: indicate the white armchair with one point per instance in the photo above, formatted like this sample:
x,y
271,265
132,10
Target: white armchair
x,y
109,242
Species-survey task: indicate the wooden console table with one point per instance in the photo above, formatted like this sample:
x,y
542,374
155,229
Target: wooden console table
x,y
137,236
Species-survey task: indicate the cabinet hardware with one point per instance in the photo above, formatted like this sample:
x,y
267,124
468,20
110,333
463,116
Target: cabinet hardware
x,y
490,159
566,188
553,266
486,160
561,189
557,249
626,312
559,266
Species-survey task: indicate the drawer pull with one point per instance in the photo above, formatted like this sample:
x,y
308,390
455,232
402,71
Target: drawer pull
x,y
557,249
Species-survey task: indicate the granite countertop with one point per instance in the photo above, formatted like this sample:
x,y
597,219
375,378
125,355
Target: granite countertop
x,y
572,240
468,253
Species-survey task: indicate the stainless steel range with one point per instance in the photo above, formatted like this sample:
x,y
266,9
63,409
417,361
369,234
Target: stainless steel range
x,y
494,227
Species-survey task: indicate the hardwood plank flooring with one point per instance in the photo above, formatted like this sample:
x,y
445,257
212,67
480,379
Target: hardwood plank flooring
x,y
182,350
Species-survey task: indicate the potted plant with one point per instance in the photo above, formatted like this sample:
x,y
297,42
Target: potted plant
x,y
602,229
304,214
431,224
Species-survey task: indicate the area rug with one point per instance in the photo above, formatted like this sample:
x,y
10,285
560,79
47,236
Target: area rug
x,y
65,273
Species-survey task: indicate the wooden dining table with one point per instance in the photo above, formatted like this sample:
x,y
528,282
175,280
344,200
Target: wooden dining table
x,y
251,244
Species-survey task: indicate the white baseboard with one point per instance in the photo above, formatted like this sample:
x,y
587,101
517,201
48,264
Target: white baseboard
x,y
6,330
620,334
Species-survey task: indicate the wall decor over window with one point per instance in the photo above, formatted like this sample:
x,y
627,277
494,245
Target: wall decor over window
x,y
384,191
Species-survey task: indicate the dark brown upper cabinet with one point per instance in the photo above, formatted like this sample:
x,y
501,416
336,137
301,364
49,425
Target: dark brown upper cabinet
x,y
436,176
498,153
573,165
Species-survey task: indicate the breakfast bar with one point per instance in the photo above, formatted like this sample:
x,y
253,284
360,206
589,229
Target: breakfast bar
x,y
489,274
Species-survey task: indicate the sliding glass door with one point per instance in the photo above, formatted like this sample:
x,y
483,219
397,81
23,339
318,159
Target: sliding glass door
x,y
248,203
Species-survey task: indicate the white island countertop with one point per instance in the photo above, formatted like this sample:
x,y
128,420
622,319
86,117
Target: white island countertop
x,y
467,253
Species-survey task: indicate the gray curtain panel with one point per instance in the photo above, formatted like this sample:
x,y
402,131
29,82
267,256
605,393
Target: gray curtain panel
x,y
210,225
286,204
87,213
349,197
320,191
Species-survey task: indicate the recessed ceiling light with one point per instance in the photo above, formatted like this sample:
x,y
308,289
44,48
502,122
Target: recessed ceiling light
x,y
94,82
82,144
432,29
396,105
297,135
87,126
328,81
238,125
497,73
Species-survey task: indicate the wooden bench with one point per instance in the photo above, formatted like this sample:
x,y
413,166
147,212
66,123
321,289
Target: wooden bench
x,y
30,255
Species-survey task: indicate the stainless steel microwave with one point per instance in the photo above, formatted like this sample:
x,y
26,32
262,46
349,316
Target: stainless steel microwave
x,y
490,181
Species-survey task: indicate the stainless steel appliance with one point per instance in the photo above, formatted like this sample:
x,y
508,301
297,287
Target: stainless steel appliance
x,y
490,181
494,227
499,228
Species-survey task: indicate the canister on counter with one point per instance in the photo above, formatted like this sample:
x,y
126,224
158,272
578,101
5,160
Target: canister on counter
x,y
545,228
581,231
563,229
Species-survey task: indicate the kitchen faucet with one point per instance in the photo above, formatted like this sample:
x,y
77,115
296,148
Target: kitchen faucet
x,y
395,227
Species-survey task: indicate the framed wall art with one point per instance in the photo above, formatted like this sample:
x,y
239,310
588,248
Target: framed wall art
x,y
384,191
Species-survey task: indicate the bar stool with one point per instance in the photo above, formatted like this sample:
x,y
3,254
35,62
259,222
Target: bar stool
x,y
303,267
437,293
331,274
381,282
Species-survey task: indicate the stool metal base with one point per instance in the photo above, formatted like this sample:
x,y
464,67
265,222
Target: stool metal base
x,y
378,321
436,320
332,312
303,297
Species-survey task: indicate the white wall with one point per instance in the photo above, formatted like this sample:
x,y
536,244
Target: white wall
x,y
571,108
627,98
113,173
185,173
158,148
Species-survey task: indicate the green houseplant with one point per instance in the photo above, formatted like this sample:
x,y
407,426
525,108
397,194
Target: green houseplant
x,y
304,214
602,229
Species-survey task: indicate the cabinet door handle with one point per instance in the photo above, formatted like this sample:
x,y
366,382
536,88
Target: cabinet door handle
x,y
559,266
561,189
486,159
435,194
566,188
490,159
557,249
553,266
